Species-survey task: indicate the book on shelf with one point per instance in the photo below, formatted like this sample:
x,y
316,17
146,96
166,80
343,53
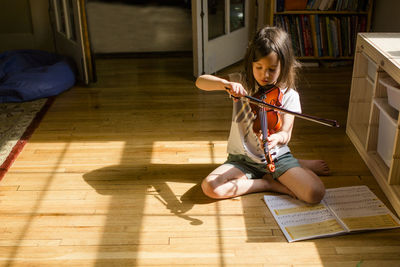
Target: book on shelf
x,y
319,35
324,40
322,5
295,4
280,5
314,35
329,35
343,210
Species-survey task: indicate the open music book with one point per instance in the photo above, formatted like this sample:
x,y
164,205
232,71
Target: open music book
x,y
343,210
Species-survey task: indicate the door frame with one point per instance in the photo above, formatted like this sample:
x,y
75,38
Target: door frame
x,y
255,19
79,50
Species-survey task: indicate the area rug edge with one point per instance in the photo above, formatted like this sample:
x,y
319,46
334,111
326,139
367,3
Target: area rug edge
x,y
24,138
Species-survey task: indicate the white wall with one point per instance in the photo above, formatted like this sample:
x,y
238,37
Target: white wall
x,y
386,16
25,25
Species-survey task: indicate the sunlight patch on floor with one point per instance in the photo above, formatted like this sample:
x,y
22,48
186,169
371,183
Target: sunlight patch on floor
x,y
188,152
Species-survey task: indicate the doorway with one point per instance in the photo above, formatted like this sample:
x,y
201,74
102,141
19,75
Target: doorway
x,y
139,26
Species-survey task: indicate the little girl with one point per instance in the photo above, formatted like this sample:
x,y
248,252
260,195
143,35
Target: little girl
x,y
269,60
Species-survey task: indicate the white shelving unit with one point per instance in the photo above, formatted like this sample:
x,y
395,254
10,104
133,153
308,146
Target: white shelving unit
x,y
373,120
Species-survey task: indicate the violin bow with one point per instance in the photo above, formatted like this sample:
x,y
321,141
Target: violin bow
x,y
260,103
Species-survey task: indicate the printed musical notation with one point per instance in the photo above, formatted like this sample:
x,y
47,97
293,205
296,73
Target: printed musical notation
x,y
343,210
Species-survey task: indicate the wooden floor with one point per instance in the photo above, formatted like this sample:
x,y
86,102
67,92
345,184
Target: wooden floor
x,y
111,178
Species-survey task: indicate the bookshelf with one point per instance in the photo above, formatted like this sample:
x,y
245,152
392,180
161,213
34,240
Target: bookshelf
x,y
321,29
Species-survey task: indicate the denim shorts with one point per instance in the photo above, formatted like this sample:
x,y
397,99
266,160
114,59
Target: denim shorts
x,y
255,170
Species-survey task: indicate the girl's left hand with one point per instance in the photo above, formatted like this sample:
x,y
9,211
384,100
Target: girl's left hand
x,y
273,140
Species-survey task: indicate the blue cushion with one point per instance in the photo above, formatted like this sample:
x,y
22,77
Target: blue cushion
x,y
27,75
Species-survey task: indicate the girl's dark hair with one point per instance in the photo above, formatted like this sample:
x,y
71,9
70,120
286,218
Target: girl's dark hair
x,y
267,40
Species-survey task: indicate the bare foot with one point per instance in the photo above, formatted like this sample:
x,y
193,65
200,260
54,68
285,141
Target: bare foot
x,y
319,167
275,186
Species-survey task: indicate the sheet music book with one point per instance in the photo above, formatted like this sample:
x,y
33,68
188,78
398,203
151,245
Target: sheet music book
x,y
343,210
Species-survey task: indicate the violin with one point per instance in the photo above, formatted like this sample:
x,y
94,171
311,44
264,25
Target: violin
x,y
265,105
267,121
273,96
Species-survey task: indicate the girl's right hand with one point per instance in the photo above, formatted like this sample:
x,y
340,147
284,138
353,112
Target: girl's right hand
x,y
235,89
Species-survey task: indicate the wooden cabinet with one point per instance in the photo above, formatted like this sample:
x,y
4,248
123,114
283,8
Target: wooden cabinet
x,y
373,120
321,29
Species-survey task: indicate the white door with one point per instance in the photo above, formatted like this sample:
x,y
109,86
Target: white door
x,y
220,33
71,35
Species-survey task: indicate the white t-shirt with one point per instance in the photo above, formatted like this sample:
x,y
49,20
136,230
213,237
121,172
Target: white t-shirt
x,y
242,139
